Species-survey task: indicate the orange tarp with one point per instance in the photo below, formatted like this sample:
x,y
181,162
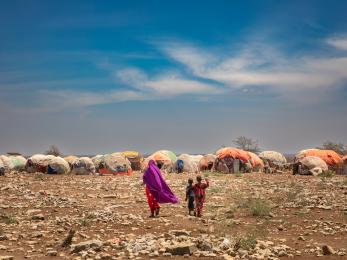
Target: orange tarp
x,y
234,153
330,157
255,160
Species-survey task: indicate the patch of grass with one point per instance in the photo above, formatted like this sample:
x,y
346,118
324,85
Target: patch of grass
x,y
344,182
39,176
8,219
85,221
328,174
206,174
238,175
344,214
230,213
247,242
216,190
259,207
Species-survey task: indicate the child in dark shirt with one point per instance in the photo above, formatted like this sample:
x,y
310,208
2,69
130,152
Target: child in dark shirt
x,y
190,197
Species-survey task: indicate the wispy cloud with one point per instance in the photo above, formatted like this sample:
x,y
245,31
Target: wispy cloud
x,y
255,65
338,42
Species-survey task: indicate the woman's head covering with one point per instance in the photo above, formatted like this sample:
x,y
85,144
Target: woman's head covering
x,y
157,185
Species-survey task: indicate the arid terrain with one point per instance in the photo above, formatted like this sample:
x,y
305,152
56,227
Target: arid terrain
x,y
253,216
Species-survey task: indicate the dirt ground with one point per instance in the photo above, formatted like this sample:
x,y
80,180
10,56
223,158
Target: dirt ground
x,y
251,216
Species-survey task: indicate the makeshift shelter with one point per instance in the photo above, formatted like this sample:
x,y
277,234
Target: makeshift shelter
x,y
135,159
58,165
310,165
273,156
256,162
38,163
164,158
344,165
6,164
18,162
232,160
332,158
190,163
70,159
97,160
115,163
206,163
83,166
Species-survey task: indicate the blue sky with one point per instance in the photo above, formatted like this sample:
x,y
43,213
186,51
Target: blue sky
x,y
101,76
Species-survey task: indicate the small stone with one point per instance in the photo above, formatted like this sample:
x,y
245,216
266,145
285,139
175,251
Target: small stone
x,y
38,217
327,250
6,257
52,253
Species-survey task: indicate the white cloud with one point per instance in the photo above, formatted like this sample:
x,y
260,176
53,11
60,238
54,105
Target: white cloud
x,y
169,84
338,43
260,65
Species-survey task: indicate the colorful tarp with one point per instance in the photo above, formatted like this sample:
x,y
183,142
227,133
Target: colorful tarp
x,y
115,163
255,160
234,153
58,165
18,162
330,157
135,158
83,166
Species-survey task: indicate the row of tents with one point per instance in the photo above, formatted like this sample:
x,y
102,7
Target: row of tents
x,y
226,160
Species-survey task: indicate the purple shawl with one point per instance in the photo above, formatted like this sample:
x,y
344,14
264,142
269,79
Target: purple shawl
x,y
157,185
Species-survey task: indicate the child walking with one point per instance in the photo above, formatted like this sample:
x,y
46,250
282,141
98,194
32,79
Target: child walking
x,y
190,197
199,192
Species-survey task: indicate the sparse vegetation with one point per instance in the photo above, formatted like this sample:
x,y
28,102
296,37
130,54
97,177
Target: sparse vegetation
x,y
247,242
259,207
39,176
238,175
8,219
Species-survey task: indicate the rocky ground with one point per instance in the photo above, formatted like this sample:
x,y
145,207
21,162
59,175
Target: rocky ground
x,y
253,216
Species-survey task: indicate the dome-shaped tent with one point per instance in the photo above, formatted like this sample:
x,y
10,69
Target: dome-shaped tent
x,y
38,163
257,163
165,158
330,157
70,159
97,160
273,156
231,160
58,165
206,163
190,163
6,164
135,158
115,163
311,165
18,162
83,166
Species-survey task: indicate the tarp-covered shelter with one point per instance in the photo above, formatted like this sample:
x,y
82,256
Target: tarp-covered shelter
x,y
18,162
164,158
135,158
329,156
97,160
273,156
256,162
190,163
310,165
58,165
232,160
70,159
115,163
38,163
206,163
6,164
83,166
344,165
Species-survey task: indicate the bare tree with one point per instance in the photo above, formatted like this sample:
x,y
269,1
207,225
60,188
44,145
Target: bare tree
x,y
247,144
340,148
53,150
